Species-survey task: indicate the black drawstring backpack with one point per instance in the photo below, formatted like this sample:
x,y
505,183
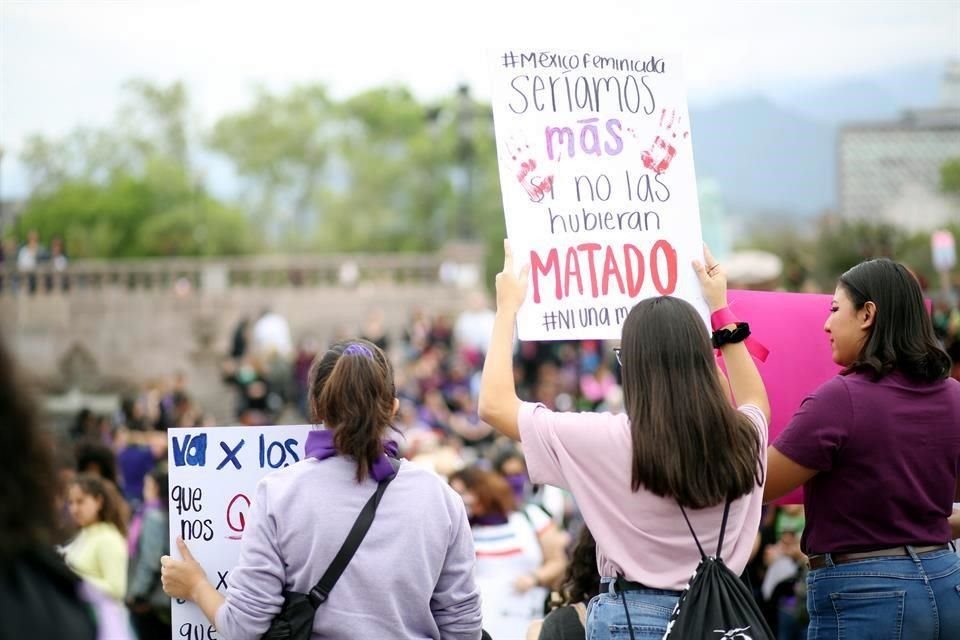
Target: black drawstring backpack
x,y
716,604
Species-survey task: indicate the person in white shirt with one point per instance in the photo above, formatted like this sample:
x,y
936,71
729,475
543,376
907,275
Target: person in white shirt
x,y
29,253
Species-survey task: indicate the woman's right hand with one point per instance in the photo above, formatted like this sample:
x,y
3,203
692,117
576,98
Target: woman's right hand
x,y
713,280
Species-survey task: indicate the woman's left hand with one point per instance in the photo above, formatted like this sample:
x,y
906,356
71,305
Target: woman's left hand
x,y
180,578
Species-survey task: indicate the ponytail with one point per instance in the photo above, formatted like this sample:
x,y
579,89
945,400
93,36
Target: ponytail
x,y
352,393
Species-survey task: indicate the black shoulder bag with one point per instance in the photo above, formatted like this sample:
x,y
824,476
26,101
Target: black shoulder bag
x,y
295,620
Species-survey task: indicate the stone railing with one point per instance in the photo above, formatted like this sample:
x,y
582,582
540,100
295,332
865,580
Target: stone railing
x,y
460,265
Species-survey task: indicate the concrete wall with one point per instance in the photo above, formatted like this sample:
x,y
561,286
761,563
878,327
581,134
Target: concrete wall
x,y
106,337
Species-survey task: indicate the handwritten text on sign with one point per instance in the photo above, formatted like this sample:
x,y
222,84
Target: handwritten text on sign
x,y
213,474
599,192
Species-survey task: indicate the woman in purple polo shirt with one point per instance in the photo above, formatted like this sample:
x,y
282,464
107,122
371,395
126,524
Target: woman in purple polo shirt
x,y
412,577
681,442
877,450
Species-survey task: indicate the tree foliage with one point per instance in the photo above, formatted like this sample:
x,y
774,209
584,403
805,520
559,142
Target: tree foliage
x,y
950,176
127,190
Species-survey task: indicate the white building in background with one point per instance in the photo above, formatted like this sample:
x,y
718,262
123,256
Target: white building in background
x,y
890,171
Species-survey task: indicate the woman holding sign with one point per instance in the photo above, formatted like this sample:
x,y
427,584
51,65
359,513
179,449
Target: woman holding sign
x,y
877,450
411,575
681,443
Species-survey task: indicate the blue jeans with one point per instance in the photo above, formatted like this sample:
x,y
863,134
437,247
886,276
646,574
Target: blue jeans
x,y
909,598
650,610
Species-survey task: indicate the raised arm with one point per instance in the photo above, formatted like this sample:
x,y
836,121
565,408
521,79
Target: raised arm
x,y
745,381
499,404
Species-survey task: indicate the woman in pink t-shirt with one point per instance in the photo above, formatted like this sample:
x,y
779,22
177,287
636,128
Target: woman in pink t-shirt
x,y
681,443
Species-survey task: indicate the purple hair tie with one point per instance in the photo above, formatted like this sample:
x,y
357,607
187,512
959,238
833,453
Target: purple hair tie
x,y
357,349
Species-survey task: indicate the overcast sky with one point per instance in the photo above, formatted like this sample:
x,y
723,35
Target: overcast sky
x,y
62,62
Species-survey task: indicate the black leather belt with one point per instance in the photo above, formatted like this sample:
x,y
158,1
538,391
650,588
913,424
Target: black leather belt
x,y
621,584
820,561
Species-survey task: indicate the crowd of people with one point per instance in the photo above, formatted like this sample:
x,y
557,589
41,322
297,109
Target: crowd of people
x,y
538,523
33,256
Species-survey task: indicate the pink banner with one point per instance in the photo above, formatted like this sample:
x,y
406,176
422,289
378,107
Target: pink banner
x,y
790,325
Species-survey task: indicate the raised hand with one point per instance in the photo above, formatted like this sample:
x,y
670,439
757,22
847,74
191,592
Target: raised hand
x,y
511,287
713,280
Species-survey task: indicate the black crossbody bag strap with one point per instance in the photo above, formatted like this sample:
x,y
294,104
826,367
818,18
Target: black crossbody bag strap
x,y
321,591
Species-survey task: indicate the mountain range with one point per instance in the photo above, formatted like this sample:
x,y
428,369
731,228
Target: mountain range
x,y
775,154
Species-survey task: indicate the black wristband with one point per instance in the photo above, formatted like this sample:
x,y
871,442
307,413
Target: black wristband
x,y
725,336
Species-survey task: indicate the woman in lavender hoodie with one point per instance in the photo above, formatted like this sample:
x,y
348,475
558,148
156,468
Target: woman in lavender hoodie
x,y
411,578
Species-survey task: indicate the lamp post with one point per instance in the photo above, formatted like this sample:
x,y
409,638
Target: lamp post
x,y
465,154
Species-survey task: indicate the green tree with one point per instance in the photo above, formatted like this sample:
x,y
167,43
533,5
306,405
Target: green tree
x,y
950,176
127,189
393,191
280,146
158,213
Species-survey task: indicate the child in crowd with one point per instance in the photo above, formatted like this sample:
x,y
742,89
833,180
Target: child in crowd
x,y
99,552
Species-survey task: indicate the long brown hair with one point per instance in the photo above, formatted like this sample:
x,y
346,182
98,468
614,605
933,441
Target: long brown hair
x,y
352,393
492,492
689,443
113,508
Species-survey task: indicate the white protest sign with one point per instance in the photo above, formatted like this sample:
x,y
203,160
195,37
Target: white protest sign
x,y
599,191
213,474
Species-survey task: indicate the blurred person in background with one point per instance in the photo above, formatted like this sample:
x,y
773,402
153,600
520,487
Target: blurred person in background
x,y
40,597
510,464
147,541
271,336
306,353
31,253
58,261
567,619
98,553
521,554
135,458
97,459
375,330
471,333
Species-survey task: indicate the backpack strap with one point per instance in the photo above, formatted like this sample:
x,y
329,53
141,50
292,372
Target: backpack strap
x,y
321,591
692,532
723,529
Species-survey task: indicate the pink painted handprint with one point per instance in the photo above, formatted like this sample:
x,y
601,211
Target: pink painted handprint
x,y
661,152
536,185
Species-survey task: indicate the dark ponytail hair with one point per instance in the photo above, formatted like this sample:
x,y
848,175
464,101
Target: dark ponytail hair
x,y
352,394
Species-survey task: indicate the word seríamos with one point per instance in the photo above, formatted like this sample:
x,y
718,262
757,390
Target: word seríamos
x,y
604,268
582,93
586,60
